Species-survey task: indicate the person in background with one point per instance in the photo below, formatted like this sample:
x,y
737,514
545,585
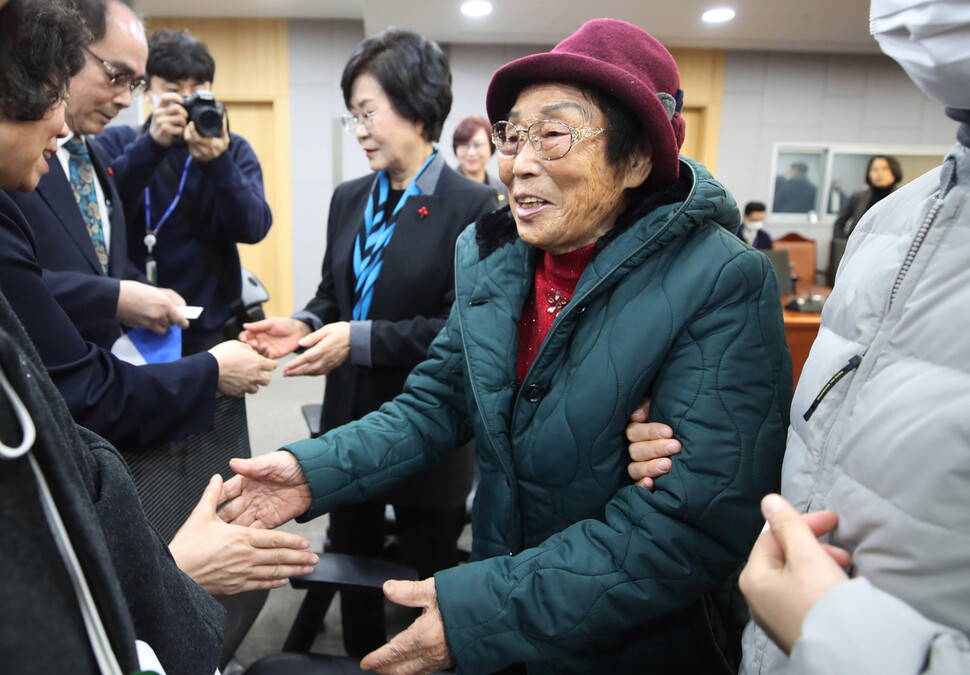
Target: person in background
x,y
387,286
473,146
752,226
883,174
795,193
193,226
615,273
131,407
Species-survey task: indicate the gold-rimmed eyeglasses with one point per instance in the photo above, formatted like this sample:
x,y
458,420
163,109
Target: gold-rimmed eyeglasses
x,y
550,139
119,79
351,122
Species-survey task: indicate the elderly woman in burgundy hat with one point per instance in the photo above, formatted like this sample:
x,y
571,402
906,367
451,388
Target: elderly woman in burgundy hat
x,y
614,275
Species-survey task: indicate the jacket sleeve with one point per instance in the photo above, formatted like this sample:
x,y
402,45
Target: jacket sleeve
x,y
323,307
234,192
403,344
724,388
856,628
411,433
122,402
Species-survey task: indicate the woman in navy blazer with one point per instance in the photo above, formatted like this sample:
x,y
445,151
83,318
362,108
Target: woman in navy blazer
x,y
387,287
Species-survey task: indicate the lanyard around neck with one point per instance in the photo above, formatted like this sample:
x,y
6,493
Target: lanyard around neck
x,y
171,207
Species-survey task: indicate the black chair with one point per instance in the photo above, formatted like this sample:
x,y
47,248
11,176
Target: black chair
x,y
779,260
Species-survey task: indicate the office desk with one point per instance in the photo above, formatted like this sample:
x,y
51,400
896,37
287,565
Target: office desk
x,y
801,328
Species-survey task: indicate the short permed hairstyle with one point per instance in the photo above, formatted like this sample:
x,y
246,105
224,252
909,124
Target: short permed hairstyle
x,y
177,56
412,70
41,48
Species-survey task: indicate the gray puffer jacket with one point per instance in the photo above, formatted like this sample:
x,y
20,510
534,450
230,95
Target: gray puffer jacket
x,y
887,446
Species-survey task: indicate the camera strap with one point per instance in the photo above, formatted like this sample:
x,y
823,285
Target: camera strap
x,y
190,213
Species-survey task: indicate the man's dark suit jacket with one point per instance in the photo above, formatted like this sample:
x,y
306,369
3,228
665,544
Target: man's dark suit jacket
x,y
129,405
412,299
66,254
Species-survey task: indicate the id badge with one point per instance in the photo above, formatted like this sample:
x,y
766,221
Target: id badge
x,y
151,270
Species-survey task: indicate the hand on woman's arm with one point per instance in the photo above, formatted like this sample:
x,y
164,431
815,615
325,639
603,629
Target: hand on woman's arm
x,y
226,559
651,444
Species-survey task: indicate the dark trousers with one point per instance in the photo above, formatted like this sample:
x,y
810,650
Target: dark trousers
x,y
428,541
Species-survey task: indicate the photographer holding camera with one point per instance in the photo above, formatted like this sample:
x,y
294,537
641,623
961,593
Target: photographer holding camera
x,y
191,190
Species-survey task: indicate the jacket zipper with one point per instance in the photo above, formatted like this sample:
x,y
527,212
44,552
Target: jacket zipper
x,y
918,240
845,370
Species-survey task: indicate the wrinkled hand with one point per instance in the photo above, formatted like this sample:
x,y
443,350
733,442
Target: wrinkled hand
x,y
651,443
203,148
241,369
168,120
421,648
789,569
274,337
327,348
226,559
146,306
267,491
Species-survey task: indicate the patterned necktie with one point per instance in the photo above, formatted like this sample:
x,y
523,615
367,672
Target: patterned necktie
x,y
82,184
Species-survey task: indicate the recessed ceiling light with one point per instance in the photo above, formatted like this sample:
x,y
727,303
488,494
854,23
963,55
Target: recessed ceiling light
x,y
476,8
719,15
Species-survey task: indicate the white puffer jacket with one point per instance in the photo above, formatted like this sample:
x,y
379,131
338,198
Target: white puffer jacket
x,y
887,445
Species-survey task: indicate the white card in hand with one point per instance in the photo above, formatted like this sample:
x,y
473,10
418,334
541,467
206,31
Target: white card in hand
x,y
190,311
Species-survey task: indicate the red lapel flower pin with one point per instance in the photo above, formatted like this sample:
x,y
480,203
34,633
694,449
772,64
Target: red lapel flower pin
x,y
422,212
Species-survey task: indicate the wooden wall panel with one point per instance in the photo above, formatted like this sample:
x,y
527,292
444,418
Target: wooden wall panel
x,y
702,79
252,79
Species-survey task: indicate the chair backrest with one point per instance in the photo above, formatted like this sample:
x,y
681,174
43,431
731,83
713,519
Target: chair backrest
x,y
801,253
779,260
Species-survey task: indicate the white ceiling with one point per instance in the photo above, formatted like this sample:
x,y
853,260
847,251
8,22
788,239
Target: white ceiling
x,y
786,25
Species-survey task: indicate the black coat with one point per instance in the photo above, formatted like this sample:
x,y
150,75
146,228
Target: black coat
x,y
137,588
412,298
129,405
64,250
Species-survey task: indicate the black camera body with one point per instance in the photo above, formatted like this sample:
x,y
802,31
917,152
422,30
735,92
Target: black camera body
x,y
205,111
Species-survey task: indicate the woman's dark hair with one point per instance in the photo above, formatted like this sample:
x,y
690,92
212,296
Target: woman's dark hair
x,y
467,129
177,56
894,167
41,48
412,70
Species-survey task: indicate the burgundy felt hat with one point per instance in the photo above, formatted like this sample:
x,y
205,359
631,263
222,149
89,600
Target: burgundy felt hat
x,y
619,59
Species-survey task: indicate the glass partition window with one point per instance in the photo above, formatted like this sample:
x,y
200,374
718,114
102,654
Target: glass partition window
x,y
816,180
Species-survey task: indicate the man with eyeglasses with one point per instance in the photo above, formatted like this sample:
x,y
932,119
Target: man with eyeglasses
x,y
84,255
79,231
191,191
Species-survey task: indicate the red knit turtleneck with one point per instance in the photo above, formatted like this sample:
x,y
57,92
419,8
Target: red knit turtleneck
x,y
556,278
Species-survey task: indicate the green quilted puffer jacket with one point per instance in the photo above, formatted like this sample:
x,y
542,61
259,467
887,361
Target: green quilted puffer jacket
x,y
575,569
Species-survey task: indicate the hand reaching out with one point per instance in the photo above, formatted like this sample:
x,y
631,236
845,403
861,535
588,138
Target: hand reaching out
x,y
274,337
226,559
267,491
420,649
326,349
